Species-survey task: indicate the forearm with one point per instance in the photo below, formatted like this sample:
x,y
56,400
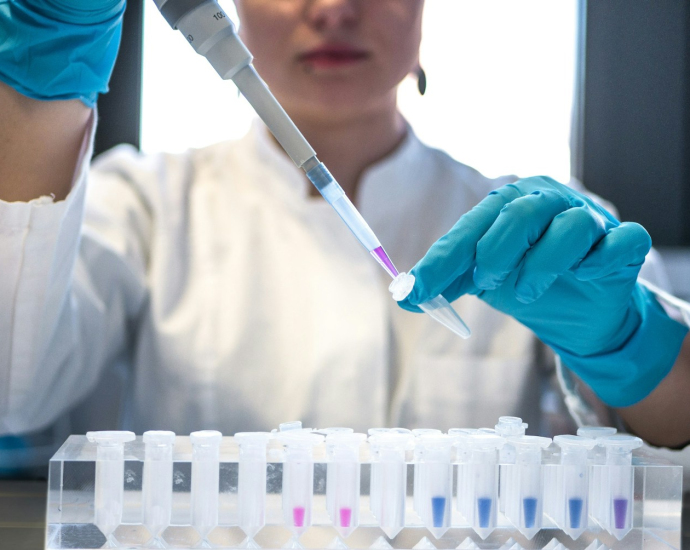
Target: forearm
x,y
663,417
40,143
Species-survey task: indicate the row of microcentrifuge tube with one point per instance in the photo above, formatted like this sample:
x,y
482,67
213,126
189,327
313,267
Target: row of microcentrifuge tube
x,y
594,478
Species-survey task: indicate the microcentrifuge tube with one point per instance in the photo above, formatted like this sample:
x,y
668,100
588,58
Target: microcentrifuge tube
x,y
619,483
508,426
571,501
483,493
463,459
435,482
388,451
597,459
524,495
157,484
437,308
330,505
109,482
418,451
343,478
298,478
251,484
205,480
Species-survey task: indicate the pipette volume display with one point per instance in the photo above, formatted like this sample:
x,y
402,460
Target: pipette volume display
x,y
213,35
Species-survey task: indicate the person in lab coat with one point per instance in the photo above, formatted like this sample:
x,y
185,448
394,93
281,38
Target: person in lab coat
x,y
216,289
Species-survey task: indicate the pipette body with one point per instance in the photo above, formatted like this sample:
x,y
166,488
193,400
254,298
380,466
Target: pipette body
x,y
212,34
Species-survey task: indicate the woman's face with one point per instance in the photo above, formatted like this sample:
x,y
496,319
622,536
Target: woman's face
x,y
332,59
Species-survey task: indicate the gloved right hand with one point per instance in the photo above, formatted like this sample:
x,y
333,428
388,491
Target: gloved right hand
x,y
59,49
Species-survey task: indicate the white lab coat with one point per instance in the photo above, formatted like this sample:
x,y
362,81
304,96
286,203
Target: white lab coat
x,y
236,301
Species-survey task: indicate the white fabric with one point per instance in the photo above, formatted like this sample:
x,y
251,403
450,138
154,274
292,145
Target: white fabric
x,y
237,301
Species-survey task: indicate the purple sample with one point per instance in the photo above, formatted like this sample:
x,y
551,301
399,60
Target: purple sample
x,y
381,256
620,512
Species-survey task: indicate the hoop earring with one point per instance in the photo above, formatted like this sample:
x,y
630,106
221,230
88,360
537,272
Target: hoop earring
x,y
421,80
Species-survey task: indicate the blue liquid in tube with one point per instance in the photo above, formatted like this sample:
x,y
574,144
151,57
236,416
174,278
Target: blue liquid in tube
x,y
438,510
529,507
575,508
484,512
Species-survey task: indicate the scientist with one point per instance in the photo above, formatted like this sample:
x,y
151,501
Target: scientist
x,y
235,298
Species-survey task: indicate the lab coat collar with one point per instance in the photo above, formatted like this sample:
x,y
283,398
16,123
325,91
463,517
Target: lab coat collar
x,y
395,167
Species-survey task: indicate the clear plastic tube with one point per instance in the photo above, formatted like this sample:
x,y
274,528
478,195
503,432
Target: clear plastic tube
x,y
597,459
251,488
343,478
483,490
157,485
507,427
109,481
205,479
435,482
463,458
418,452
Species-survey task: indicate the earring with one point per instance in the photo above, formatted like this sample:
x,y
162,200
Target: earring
x,y
421,80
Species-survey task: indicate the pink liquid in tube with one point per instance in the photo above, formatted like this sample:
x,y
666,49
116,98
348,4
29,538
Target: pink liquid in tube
x,y
382,258
345,517
298,516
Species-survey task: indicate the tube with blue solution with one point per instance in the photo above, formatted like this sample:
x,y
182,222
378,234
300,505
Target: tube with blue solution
x,y
157,484
215,37
251,485
343,478
571,510
109,480
483,483
418,450
524,496
298,478
597,460
507,427
388,451
618,487
205,480
435,481
463,459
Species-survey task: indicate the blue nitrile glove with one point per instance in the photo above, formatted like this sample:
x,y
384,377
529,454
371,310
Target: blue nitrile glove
x,y
59,49
567,269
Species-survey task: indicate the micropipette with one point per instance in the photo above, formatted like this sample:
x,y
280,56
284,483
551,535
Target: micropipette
x,y
109,482
251,485
213,35
157,485
205,480
342,488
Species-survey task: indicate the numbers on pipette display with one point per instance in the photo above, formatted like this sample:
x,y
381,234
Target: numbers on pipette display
x,y
218,16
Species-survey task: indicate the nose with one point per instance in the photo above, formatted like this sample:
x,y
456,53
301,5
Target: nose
x,y
333,14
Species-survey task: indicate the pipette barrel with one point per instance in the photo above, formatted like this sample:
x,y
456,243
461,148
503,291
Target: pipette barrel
x,y
109,481
157,484
251,488
205,479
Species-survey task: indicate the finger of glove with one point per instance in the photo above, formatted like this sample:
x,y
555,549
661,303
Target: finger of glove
x,y
623,246
454,253
568,239
519,225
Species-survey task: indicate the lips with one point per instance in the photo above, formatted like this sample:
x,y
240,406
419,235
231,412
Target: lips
x,y
333,55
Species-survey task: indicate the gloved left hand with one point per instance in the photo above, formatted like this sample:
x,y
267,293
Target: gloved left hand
x,y
59,49
566,268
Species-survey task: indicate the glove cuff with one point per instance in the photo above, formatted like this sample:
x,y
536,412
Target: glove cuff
x,y
47,59
630,373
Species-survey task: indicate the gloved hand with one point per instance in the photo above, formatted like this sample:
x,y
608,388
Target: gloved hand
x,y
59,49
567,269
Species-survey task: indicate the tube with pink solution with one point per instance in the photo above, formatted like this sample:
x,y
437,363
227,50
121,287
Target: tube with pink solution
x,y
342,490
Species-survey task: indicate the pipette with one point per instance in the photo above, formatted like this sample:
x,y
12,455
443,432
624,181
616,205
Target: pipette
x,y
251,485
212,34
109,482
157,485
342,488
205,480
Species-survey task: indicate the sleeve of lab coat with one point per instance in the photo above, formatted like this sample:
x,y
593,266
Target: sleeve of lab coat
x,y
72,281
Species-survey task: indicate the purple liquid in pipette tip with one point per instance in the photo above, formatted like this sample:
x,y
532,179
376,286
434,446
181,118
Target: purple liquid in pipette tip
x,y
382,258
